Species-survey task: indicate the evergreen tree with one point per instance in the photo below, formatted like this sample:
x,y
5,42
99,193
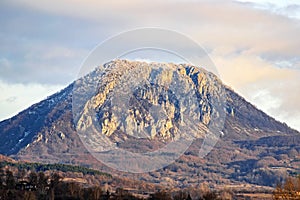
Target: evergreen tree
x,y
33,179
1,178
42,182
10,180
21,174
55,179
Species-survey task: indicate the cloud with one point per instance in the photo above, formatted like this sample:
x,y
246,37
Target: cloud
x,y
11,99
289,8
39,48
274,90
16,97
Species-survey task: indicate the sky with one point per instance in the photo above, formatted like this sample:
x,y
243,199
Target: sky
x,y
254,44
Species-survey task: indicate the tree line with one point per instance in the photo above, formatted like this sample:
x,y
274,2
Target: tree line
x,y
59,167
39,186
32,185
19,183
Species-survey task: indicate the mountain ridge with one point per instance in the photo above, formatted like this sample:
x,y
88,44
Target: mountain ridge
x,y
46,132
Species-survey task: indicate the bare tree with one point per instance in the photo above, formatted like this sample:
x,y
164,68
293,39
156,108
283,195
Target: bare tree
x,y
289,190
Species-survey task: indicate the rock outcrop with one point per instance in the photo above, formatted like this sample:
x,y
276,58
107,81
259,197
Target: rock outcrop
x,y
141,115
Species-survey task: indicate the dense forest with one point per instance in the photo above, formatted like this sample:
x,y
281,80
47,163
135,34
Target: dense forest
x,y
59,167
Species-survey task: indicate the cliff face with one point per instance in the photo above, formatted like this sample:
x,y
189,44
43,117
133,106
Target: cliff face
x,y
141,107
151,100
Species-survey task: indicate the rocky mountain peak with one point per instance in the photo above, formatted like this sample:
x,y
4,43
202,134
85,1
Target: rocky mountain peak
x,y
142,106
151,100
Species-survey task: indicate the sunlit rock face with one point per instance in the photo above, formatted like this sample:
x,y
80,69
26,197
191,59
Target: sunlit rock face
x,y
138,107
152,100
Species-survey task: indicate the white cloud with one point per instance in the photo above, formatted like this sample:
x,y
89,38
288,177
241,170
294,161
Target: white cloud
x,y
273,90
17,97
289,8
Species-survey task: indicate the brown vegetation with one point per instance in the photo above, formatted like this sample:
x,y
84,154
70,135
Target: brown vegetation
x,y
289,190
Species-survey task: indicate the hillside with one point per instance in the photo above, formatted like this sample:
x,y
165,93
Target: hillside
x,y
254,148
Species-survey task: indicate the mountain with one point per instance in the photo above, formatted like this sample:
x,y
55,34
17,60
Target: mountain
x,y
252,148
